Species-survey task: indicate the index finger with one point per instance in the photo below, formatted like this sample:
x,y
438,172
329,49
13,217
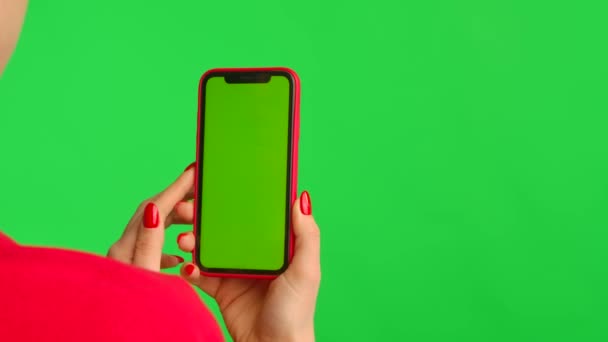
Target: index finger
x,y
176,192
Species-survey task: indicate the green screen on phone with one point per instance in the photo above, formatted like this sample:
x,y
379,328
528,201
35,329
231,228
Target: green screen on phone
x,y
243,184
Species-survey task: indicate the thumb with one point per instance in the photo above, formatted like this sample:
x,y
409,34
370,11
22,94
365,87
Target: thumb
x,y
305,267
150,239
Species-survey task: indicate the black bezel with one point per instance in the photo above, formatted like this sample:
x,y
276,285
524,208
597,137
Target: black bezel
x,y
245,77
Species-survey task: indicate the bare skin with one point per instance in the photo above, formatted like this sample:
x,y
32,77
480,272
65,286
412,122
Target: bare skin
x,y
12,13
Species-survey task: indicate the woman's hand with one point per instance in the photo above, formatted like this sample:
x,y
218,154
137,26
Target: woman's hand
x,y
269,310
142,241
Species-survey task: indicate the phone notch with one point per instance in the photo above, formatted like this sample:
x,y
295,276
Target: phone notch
x,y
247,77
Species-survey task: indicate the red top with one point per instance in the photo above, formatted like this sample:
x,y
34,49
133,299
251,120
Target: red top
x,y
58,295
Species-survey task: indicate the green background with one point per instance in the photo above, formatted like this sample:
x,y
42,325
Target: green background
x,y
455,150
244,167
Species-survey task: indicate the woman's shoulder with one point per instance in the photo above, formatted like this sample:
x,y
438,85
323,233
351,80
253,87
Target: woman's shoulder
x,y
70,295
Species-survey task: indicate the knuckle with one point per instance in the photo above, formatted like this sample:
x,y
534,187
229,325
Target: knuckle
x,y
314,234
116,251
314,276
113,250
311,275
143,246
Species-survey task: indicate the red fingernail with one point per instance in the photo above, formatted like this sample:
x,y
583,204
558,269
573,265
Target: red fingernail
x,y
305,205
189,269
151,218
180,236
190,166
180,259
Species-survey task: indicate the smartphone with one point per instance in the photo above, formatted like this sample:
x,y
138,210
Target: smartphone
x,y
246,171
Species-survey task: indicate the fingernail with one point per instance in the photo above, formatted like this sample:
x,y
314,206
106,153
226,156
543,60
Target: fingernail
x,y
305,205
179,258
190,166
180,236
189,269
151,216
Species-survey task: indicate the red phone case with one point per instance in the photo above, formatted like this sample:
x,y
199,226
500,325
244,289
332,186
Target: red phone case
x,y
294,161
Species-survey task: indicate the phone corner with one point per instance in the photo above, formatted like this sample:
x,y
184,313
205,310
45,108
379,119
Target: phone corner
x,y
292,75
